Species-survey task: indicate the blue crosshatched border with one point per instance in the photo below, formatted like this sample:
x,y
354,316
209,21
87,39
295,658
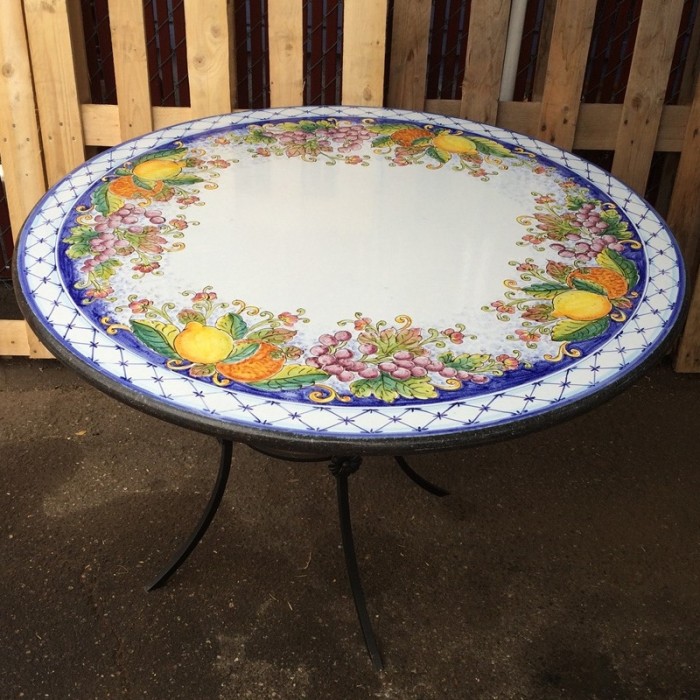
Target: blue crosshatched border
x,y
136,379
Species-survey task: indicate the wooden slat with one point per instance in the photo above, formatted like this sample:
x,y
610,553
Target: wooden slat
x,y
688,353
130,67
77,38
208,41
16,338
545,40
53,68
486,48
364,39
597,123
286,44
20,145
410,36
646,89
566,65
684,220
101,122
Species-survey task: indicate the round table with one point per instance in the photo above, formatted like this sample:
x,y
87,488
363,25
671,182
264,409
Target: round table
x,y
338,281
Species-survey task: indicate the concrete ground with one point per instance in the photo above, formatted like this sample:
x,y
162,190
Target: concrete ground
x,y
566,564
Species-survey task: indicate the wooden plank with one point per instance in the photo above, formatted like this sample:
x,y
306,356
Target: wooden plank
x,y
17,339
410,37
101,122
597,123
56,89
20,144
130,67
77,38
684,220
364,40
286,44
486,49
208,65
688,353
566,65
646,89
542,58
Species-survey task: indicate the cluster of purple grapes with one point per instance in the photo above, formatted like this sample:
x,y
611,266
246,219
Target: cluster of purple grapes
x,y
108,243
333,356
592,227
352,137
129,216
104,247
300,138
585,251
588,217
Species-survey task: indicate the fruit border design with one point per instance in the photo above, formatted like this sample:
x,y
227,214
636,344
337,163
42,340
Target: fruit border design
x,y
338,141
589,284
216,341
233,342
123,224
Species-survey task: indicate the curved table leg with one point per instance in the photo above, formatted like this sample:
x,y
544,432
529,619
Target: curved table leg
x,y
429,486
205,520
341,468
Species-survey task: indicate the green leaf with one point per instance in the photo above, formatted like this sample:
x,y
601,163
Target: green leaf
x,y
382,387
157,336
166,153
544,290
465,362
387,128
277,336
580,330
292,377
233,324
612,260
616,226
106,269
183,180
438,154
242,351
144,184
79,242
388,389
416,388
79,250
588,286
258,136
382,141
489,147
309,127
104,201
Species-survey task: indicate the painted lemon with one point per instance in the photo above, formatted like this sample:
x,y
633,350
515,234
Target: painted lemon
x,y
203,344
614,284
579,305
267,360
157,169
452,143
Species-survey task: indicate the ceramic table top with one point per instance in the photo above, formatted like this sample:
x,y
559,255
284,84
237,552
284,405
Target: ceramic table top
x,y
334,275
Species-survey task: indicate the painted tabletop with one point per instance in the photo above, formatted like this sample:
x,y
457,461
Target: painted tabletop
x,y
349,278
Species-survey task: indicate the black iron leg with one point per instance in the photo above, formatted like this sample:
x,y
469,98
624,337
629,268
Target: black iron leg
x,y
341,468
204,521
418,479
